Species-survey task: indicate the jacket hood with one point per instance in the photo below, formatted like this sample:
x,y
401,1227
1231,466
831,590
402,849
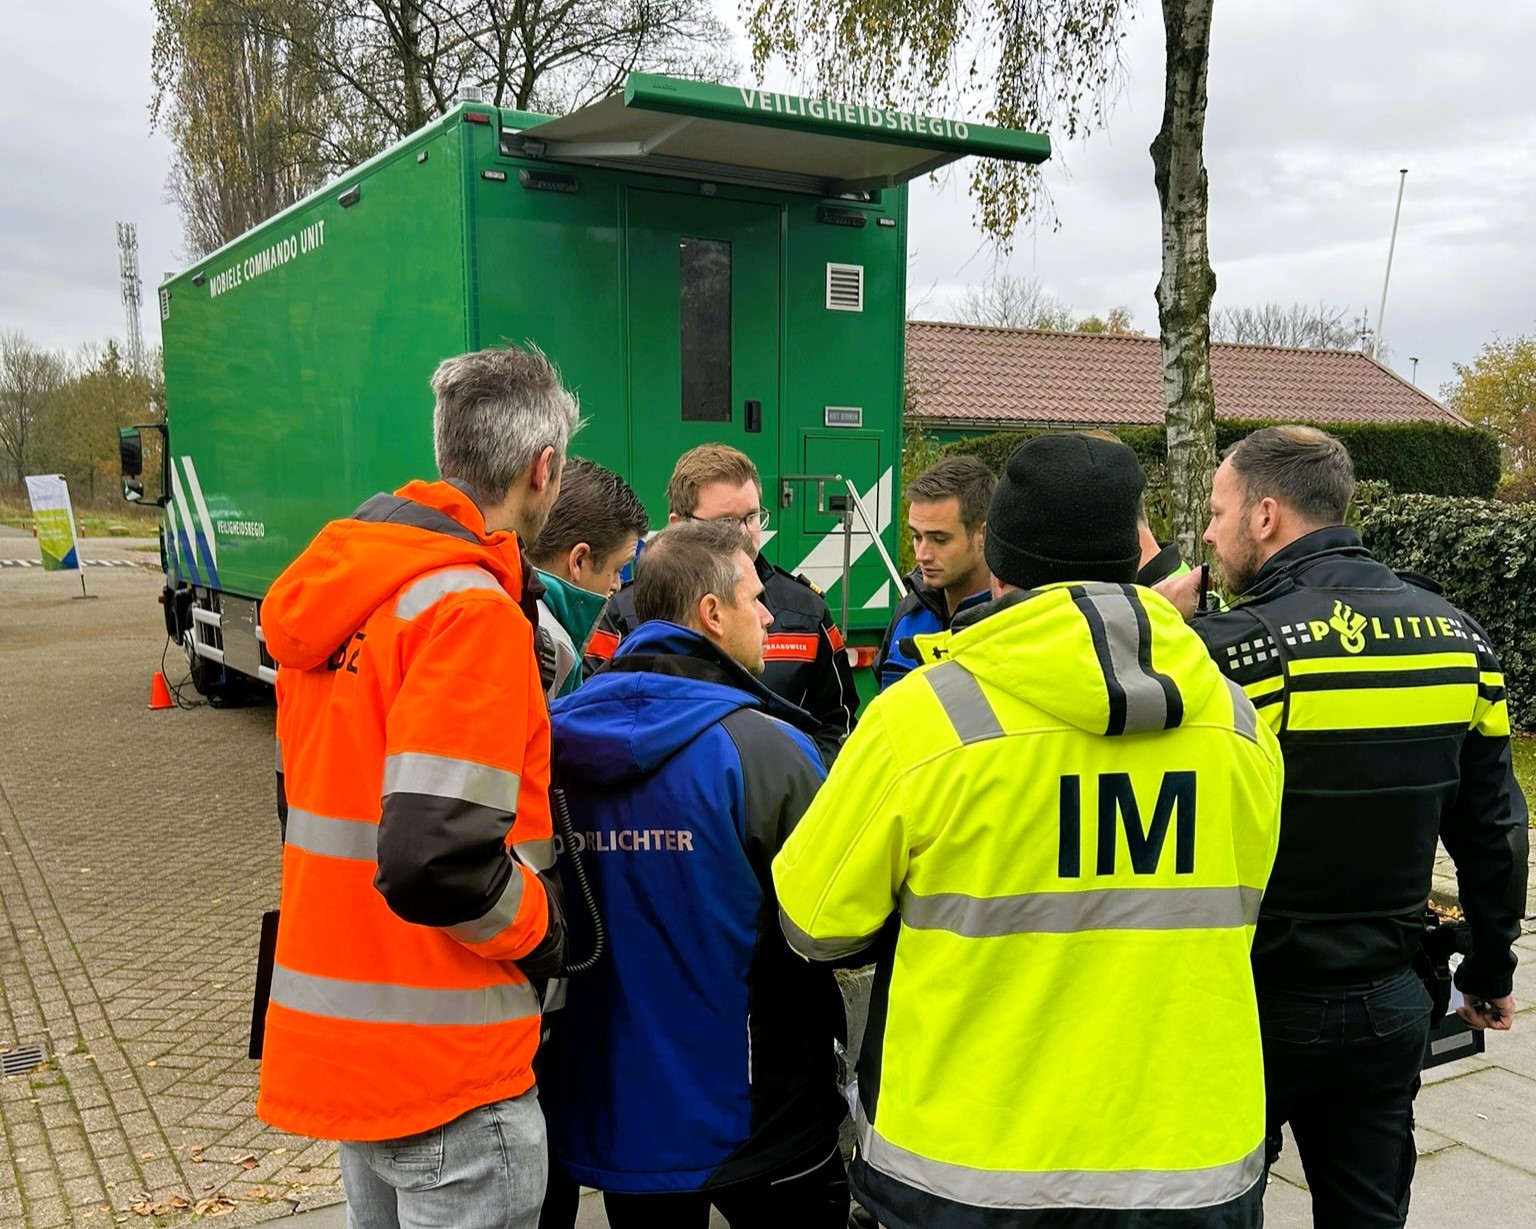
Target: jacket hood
x,y
623,724
1106,658
354,565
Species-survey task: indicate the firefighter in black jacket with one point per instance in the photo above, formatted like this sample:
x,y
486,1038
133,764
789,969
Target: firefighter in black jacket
x,y
806,661
1389,704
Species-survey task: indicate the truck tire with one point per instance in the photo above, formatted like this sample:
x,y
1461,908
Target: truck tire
x,y
208,677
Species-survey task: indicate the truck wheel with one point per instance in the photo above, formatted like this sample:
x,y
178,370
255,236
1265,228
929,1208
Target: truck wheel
x,y
207,677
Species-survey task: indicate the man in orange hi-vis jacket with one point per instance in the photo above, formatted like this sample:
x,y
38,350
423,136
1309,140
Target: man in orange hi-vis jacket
x,y
413,742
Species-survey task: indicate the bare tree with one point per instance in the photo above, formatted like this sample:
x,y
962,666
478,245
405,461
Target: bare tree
x,y
243,112
1323,326
265,99
1011,302
30,377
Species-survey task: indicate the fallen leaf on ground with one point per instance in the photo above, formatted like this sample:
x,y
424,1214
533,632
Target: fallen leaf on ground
x,y
214,1205
163,1207
248,1162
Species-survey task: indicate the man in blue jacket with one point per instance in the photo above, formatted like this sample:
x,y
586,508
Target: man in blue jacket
x,y
694,1066
947,514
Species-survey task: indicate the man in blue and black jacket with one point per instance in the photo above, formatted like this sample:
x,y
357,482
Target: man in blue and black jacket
x,y
695,1065
947,517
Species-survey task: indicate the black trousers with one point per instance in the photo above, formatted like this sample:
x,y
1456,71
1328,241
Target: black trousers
x,y
1341,1065
810,1195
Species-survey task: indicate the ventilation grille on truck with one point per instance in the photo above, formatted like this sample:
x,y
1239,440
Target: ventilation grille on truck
x,y
845,288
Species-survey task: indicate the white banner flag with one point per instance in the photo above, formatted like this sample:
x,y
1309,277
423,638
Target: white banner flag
x,y
54,519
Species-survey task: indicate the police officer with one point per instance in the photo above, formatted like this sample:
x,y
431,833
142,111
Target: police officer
x,y
947,516
1389,704
1067,820
806,661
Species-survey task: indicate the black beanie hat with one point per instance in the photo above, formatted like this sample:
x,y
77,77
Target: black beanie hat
x,y
1065,509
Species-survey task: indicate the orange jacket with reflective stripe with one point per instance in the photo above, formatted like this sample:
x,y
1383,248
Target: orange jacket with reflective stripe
x,y
413,744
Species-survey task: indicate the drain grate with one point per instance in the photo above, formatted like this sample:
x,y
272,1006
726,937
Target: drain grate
x,y
21,1060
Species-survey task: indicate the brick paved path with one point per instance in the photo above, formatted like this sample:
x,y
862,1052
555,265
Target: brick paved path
x,y
137,852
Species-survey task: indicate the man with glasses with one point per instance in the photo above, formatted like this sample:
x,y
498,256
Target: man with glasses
x,y
805,661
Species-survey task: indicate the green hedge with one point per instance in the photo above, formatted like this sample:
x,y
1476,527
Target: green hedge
x,y
1484,555
1424,457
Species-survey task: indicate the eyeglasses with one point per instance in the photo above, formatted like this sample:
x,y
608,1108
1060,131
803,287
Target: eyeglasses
x,y
757,520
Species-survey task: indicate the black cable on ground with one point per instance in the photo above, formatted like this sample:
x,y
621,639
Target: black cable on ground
x,y
176,688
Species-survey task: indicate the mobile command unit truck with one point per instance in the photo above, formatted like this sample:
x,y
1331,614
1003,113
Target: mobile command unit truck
x,y
704,264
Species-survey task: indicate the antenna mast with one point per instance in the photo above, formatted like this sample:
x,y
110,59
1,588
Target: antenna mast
x,y
128,274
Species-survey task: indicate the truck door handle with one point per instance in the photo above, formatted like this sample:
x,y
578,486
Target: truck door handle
x,y
754,416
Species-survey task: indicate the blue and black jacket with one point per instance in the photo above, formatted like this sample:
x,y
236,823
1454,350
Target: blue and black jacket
x,y
922,612
699,1052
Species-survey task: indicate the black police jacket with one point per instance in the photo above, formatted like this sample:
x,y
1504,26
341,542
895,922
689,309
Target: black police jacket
x,y
804,661
1389,705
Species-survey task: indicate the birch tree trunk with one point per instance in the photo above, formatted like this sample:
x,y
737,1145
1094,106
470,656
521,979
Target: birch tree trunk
x,y
1188,284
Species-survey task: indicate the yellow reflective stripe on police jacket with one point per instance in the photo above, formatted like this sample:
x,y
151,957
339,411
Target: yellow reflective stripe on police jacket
x,y
1382,692
1491,716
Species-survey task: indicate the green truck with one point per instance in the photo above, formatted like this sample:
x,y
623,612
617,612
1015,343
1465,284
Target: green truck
x,y
704,263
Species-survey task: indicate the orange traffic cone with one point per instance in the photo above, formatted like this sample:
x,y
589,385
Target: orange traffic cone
x,y
160,692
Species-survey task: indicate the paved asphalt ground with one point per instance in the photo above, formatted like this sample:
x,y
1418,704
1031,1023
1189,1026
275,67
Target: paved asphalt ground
x,y
137,852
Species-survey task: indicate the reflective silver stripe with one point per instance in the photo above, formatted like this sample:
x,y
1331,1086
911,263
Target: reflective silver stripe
x,y
384,1003
1245,718
537,855
355,839
430,590
1060,1188
1146,703
1060,913
495,919
279,743
441,776
964,703
821,949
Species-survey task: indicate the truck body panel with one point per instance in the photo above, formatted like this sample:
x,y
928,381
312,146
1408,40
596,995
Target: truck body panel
x,y
740,301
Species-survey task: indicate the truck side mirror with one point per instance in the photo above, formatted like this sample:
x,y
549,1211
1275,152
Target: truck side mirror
x,y
130,452
133,490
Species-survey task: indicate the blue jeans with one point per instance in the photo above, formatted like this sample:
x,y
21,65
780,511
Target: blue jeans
x,y
1341,1065
484,1170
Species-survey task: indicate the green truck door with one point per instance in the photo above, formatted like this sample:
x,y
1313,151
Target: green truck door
x,y
702,297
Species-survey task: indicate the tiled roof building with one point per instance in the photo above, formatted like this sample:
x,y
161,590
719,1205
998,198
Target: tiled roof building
x,y
973,376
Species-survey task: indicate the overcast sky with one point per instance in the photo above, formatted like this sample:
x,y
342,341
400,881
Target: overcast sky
x,y
1314,105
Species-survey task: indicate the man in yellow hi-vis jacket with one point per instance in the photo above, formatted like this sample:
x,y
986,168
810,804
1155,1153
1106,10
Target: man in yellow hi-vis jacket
x,y
1064,822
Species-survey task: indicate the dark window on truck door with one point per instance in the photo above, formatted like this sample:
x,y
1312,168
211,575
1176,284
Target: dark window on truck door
x,y
704,279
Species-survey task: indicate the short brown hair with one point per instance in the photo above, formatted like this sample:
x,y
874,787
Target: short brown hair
x,y
683,564
1301,467
700,467
964,479
595,506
